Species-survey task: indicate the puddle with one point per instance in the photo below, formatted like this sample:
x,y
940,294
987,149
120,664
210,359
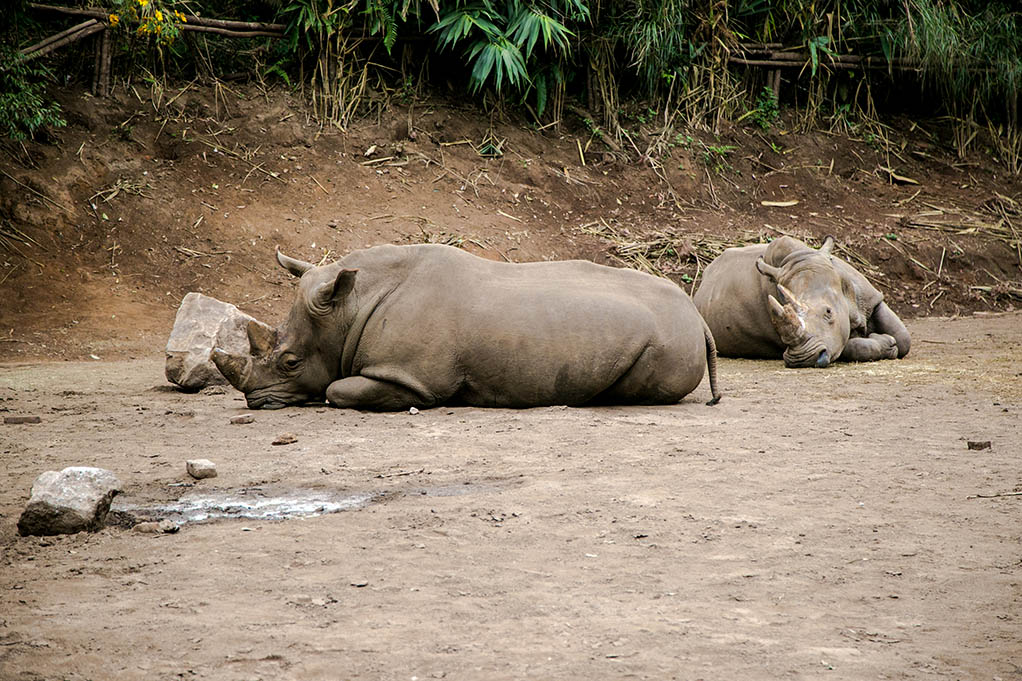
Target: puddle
x,y
251,504
264,503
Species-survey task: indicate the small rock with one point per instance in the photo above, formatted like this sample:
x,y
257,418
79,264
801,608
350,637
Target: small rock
x,y
152,527
72,500
12,420
242,419
285,439
413,411
985,444
213,390
201,468
201,323
360,583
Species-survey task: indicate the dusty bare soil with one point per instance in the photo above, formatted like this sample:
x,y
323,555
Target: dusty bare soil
x,y
815,524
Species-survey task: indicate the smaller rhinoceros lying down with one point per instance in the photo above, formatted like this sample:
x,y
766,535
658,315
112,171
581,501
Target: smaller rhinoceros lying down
x,y
787,299
393,327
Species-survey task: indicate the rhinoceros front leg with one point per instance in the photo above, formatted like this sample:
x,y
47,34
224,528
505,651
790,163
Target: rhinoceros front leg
x,y
877,346
360,392
883,320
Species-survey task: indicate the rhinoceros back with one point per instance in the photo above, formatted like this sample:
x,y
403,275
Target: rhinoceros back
x,y
487,333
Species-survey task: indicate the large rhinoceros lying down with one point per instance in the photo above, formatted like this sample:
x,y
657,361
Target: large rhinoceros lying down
x,y
787,299
393,327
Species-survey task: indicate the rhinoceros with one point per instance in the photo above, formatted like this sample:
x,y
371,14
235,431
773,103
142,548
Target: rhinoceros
x,y
394,327
785,299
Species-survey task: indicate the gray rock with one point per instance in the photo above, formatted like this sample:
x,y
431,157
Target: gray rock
x,y
242,419
201,468
72,500
201,323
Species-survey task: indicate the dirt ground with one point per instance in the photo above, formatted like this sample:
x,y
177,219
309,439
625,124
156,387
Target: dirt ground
x,y
815,524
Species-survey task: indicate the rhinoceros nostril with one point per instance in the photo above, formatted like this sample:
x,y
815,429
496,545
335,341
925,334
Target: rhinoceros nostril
x,y
823,360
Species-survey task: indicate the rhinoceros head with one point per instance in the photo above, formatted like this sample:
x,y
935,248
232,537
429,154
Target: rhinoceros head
x,y
812,310
294,363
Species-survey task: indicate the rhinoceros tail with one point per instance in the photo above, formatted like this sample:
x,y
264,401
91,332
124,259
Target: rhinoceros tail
x,y
711,364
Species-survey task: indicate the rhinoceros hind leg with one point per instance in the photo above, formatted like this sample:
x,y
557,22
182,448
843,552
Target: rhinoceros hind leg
x,y
883,320
877,346
359,392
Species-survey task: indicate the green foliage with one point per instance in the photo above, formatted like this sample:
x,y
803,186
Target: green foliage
x,y
24,108
501,39
766,111
156,20
716,156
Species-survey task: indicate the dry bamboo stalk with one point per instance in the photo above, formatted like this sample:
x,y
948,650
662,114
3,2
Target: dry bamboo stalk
x,y
862,63
228,32
53,38
104,65
91,29
277,29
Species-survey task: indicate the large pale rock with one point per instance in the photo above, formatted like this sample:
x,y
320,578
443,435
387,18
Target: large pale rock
x,y
201,468
201,323
72,500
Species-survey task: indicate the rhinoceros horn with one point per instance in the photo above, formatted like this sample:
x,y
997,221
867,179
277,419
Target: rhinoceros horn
x,y
787,318
234,368
262,338
789,298
293,265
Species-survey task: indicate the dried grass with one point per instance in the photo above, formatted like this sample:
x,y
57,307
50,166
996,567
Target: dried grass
x,y
665,252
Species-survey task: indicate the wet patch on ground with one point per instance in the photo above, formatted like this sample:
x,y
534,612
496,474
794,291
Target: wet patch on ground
x,y
251,503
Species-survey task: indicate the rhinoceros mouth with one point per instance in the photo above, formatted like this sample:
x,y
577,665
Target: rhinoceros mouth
x,y
272,399
265,403
807,355
269,399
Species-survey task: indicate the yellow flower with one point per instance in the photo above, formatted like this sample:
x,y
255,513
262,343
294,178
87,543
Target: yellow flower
x,y
143,3
159,15
114,19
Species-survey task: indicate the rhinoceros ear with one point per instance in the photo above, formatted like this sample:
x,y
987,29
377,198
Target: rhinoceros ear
x,y
262,338
828,245
767,270
327,295
292,265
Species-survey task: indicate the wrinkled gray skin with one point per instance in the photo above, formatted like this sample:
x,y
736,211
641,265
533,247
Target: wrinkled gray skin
x,y
394,327
785,299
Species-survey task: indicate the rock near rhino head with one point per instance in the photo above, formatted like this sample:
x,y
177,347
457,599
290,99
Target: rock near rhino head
x,y
812,310
294,363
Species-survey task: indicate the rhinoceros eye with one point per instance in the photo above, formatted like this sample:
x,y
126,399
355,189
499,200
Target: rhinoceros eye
x,y
290,362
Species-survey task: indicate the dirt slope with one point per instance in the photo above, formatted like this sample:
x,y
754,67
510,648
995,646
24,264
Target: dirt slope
x,y
150,195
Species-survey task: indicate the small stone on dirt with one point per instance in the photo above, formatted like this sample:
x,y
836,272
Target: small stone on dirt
x,y
152,527
72,500
242,419
413,411
201,468
13,420
984,444
213,390
285,439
